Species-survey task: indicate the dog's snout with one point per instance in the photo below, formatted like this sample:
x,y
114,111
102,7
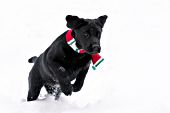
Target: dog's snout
x,y
96,48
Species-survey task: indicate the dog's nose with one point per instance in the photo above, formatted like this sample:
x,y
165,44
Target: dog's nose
x,y
96,48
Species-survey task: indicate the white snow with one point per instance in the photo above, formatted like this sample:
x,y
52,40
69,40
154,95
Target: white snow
x,y
134,78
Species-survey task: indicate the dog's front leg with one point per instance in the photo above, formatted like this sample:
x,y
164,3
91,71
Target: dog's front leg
x,y
66,86
62,76
80,80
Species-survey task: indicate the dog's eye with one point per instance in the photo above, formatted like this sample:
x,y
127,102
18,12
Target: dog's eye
x,y
86,35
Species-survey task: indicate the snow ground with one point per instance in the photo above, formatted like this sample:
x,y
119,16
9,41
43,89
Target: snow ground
x,y
135,44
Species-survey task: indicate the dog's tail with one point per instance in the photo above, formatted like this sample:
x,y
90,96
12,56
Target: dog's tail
x,y
32,59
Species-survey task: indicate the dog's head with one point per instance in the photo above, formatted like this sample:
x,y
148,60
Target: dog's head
x,y
87,32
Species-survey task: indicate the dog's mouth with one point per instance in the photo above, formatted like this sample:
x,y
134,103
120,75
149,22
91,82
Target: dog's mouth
x,y
94,49
93,52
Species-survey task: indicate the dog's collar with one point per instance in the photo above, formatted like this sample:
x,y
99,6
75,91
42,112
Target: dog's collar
x,y
96,58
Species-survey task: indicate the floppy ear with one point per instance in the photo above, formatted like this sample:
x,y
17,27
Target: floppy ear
x,y
74,21
102,20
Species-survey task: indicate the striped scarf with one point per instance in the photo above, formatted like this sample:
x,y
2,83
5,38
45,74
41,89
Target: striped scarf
x,y
96,58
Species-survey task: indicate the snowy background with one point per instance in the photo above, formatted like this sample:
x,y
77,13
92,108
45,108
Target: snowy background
x,y
135,77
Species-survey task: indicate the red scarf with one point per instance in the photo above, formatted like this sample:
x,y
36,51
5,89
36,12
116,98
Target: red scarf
x,y
96,58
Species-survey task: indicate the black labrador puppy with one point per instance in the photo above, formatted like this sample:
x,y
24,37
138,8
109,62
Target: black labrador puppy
x,y
59,64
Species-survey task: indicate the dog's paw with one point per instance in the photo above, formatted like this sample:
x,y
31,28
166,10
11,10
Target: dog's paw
x,y
68,90
76,88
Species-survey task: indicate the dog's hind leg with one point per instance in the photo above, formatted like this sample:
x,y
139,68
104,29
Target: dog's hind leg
x,y
53,89
57,91
48,89
35,85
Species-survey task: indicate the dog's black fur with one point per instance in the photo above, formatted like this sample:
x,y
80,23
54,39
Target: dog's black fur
x,y
60,64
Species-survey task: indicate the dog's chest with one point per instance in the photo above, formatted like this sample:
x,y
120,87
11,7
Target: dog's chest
x,y
77,61
75,64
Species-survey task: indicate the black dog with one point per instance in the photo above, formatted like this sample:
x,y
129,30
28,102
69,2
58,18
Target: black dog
x,y
60,64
